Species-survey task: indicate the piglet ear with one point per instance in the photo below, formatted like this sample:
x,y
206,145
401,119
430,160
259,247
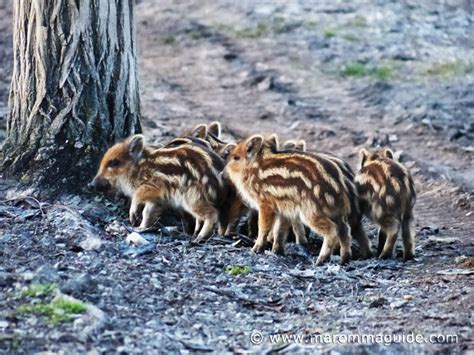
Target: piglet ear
x,y
301,145
290,145
227,150
388,153
254,146
363,154
273,141
214,128
200,131
136,144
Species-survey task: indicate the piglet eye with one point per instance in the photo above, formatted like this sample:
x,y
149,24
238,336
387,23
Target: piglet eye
x,y
114,163
236,157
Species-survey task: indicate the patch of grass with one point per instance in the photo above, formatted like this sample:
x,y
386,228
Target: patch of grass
x,y
356,69
236,270
453,68
57,311
35,290
329,33
258,31
276,25
383,72
69,306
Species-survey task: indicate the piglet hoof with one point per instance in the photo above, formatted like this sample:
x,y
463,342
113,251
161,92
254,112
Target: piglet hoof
x,y
278,249
198,240
321,261
345,259
367,254
385,255
408,256
257,248
134,221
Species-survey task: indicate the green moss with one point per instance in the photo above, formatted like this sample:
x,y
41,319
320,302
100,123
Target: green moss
x,y
329,33
69,306
236,270
57,311
382,72
35,290
354,69
452,68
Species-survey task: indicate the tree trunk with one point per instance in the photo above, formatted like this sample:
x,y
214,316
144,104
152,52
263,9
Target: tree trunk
x,y
74,89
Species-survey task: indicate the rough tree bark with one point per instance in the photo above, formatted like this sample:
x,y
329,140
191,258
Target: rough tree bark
x,y
74,88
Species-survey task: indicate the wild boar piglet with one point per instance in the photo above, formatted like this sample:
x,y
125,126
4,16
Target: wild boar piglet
x,y
292,185
387,194
183,177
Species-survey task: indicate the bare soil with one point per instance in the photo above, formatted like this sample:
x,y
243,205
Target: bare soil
x,y
340,75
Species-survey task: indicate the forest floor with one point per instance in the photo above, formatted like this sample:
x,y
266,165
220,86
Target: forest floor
x,y
340,75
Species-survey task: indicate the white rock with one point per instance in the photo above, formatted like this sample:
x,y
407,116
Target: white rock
x,y
91,243
136,239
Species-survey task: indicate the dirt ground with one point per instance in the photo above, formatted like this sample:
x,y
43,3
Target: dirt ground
x,y
341,75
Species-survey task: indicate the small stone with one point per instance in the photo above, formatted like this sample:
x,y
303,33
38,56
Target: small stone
x,y
27,276
398,304
84,284
408,297
443,240
392,138
136,239
4,324
91,243
265,84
